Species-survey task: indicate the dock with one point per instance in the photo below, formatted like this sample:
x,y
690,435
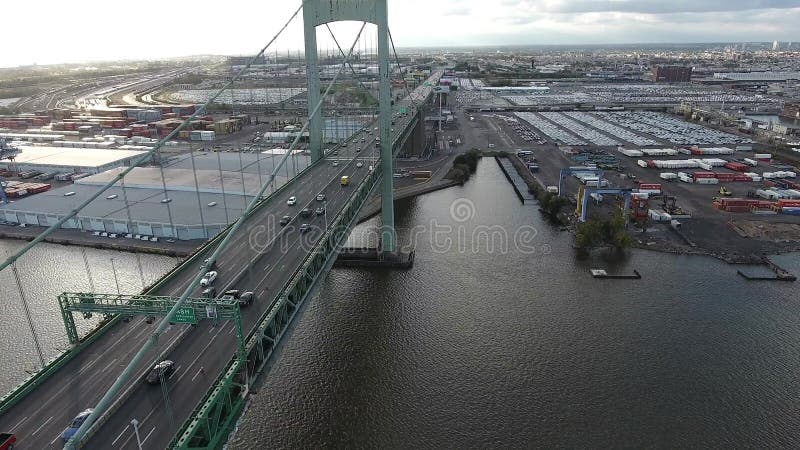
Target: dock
x,y
780,276
602,274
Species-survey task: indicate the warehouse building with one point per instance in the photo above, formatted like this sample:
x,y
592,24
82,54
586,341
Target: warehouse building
x,y
191,207
64,159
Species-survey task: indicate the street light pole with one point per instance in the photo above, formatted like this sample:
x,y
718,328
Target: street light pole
x,y
135,424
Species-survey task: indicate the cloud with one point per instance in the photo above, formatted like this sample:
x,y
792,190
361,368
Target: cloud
x,y
649,6
457,11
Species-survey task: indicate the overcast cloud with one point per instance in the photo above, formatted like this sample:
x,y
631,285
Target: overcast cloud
x,y
51,32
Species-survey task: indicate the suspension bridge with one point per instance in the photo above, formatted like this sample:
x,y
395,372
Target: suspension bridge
x,y
219,347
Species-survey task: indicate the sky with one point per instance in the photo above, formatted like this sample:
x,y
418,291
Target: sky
x,y
95,30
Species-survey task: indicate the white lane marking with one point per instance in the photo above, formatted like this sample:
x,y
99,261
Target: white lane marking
x,y
148,435
18,423
41,426
108,366
120,435
173,373
199,355
199,369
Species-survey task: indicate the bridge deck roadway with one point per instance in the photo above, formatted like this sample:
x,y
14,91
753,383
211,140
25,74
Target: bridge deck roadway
x,y
40,418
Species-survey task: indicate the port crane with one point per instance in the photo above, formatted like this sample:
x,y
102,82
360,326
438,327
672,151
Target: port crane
x,y
587,192
568,171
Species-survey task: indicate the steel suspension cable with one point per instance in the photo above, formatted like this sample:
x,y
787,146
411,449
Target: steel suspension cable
x,y
410,97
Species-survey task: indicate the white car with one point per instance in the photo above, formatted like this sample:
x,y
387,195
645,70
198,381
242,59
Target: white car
x,y
336,164
208,279
359,164
292,201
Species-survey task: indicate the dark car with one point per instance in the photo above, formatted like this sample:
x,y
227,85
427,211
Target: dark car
x,y
319,211
246,299
210,292
306,212
212,266
285,220
160,371
320,197
233,293
304,227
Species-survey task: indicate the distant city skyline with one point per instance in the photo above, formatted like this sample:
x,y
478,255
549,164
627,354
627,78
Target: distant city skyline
x,y
62,32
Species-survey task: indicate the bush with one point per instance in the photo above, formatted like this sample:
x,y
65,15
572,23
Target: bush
x,y
597,233
464,166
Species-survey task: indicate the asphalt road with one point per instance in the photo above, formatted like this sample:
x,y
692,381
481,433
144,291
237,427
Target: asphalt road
x,y
39,420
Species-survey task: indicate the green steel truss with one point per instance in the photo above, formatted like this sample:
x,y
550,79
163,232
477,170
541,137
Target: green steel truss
x,y
212,421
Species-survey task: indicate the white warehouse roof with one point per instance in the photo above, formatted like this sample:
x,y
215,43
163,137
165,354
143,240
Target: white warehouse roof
x,y
72,157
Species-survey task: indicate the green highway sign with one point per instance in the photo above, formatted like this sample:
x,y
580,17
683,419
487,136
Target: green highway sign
x,y
184,315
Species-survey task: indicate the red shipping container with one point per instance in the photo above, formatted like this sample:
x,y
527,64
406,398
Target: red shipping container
x,y
739,167
649,186
697,175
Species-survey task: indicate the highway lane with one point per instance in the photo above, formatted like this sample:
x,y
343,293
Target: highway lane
x,y
82,381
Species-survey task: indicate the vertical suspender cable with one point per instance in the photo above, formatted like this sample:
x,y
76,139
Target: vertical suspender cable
x,y
197,190
28,316
130,229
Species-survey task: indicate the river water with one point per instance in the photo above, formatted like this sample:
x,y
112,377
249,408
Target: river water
x,y
46,271
517,346
498,337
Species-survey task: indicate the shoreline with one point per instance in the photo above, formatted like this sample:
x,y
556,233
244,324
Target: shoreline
x,y
83,239
671,246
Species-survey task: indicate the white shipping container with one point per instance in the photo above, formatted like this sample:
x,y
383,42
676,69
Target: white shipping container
x,y
631,153
668,175
762,155
707,181
641,163
597,183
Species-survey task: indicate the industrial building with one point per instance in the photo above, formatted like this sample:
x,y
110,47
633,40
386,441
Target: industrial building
x,y
64,159
672,74
195,204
